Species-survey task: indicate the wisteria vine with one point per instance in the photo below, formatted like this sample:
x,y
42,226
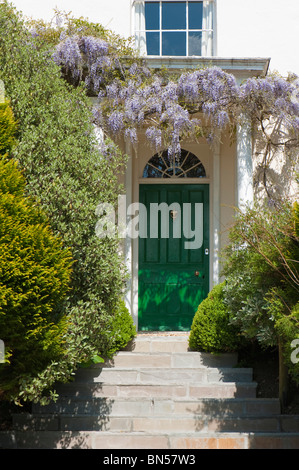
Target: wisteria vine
x,y
134,97
169,107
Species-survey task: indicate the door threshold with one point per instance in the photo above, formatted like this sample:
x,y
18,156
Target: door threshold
x,y
164,333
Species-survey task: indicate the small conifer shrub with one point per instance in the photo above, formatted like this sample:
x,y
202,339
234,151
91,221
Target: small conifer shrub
x,y
35,272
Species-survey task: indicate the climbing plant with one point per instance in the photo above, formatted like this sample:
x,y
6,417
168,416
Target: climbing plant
x,y
173,106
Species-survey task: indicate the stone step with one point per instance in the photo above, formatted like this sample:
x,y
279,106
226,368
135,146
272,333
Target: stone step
x,y
163,441
175,390
156,424
155,407
157,395
174,360
153,343
148,375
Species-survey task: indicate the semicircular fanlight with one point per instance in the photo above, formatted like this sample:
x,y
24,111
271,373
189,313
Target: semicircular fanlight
x,y
187,165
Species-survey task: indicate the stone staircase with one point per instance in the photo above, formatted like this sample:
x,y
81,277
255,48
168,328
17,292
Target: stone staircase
x,y
158,395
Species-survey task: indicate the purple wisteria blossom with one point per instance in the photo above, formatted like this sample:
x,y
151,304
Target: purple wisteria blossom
x,y
131,134
168,108
154,136
272,96
68,55
116,122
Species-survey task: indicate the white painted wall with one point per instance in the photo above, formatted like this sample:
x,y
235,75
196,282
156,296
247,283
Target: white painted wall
x,y
113,14
260,28
245,28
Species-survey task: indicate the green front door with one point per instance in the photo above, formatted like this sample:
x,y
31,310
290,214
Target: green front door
x,y
173,255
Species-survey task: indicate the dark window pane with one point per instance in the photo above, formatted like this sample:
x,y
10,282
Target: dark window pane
x,y
193,166
178,172
174,44
157,166
153,43
158,162
195,41
188,160
161,166
168,173
150,172
197,172
152,15
173,15
195,15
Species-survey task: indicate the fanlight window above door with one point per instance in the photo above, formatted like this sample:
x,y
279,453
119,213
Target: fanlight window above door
x,y
162,165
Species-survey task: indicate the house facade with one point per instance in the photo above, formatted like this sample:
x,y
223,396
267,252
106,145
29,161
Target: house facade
x,y
171,273
186,206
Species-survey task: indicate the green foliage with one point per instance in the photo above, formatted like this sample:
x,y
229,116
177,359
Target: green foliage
x,y
211,330
68,177
262,278
122,328
287,330
8,127
35,275
64,25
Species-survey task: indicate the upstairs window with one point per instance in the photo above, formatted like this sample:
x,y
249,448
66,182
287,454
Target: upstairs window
x,y
174,28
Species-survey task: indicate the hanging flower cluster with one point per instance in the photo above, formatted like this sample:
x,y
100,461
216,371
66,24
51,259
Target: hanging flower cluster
x,y
169,110
196,103
85,58
272,97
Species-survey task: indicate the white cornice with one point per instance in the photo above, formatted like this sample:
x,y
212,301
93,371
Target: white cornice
x,y
242,68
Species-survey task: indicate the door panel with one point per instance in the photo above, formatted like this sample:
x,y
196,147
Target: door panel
x,y
173,267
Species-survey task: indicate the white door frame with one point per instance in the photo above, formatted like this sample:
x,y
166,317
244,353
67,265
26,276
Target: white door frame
x,y
131,245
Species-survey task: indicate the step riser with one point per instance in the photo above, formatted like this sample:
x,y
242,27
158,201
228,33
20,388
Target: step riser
x,y
197,391
151,425
168,344
175,360
157,395
156,407
100,440
163,376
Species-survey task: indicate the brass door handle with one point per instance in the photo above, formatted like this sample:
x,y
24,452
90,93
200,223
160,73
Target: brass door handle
x,y
196,273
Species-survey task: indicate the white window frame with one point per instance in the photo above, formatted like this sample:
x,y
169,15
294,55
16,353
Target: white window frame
x,y
208,29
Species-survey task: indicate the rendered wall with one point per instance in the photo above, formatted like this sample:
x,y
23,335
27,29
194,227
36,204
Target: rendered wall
x,y
255,28
259,28
113,14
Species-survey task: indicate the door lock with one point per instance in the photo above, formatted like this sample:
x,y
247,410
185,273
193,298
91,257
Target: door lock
x,y
196,273
206,251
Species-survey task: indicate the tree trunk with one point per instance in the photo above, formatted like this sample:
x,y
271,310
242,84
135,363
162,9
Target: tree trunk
x,y
283,380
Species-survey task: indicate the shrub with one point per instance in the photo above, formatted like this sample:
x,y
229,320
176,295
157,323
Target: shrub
x,y
261,292
8,127
122,328
35,273
262,260
211,330
287,330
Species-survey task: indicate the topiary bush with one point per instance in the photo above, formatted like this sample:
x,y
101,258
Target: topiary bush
x,y
35,273
122,328
211,330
